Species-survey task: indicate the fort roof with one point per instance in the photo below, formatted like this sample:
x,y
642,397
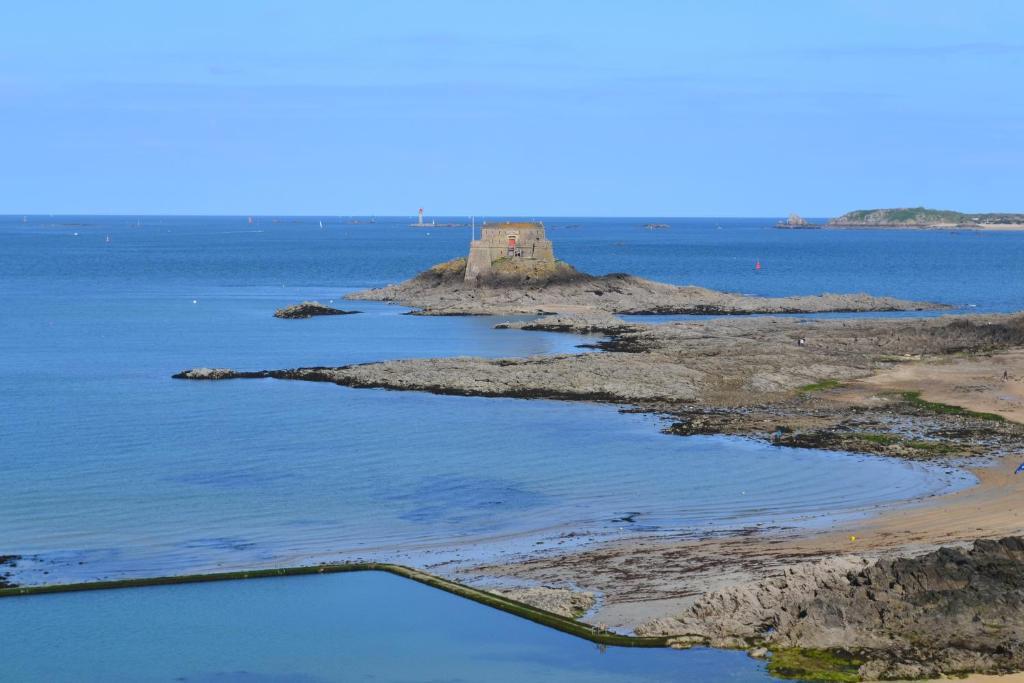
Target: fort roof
x,y
515,225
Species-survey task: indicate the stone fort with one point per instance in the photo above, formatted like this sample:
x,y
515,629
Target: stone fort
x,y
510,249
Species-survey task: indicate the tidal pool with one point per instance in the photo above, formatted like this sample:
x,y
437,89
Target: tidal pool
x,y
313,629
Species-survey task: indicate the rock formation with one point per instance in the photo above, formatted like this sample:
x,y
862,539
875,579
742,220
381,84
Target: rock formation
x,y
309,309
947,612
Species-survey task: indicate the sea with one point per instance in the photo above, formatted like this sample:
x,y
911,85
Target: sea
x,y
112,469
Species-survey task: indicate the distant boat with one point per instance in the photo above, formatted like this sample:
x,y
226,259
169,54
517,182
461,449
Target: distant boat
x,y
108,239
321,225
250,220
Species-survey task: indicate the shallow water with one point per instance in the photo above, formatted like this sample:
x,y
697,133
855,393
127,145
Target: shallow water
x,y
314,629
111,468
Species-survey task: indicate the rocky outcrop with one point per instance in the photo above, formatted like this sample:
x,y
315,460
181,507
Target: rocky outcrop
x,y
947,612
206,373
443,290
309,309
726,361
561,601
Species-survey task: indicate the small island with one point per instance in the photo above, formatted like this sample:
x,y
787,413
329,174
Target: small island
x,y
512,270
308,309
919,218
796,222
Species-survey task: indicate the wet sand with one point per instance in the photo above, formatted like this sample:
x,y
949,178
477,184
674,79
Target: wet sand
x,y
976,383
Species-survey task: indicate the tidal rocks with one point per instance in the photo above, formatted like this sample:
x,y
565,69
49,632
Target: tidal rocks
x,y
947,612
309,309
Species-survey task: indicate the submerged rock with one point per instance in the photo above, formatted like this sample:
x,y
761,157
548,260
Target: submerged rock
x,y
309,309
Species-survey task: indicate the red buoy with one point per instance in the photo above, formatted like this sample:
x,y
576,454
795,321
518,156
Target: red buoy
x,y
757,266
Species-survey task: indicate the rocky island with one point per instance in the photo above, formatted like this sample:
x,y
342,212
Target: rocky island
x,y
512,270
309,309
921,218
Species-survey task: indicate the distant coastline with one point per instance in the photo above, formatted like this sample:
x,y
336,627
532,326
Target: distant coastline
x,y
918,218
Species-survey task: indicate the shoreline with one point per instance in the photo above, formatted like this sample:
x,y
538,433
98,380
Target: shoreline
x,y
983,510
834,384
994,227
906,528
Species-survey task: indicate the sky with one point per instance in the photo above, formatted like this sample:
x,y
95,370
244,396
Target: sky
x,y
550,108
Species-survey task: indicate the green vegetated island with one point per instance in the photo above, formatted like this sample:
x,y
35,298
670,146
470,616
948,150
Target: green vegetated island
x,y
918,217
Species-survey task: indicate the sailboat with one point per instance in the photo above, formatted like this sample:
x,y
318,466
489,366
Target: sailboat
x,y
321,225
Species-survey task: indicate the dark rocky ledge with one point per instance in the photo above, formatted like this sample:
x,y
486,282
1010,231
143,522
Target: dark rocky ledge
x,y
948,612
309,309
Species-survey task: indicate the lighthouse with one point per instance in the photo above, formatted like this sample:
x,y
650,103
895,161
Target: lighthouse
x,y
420,221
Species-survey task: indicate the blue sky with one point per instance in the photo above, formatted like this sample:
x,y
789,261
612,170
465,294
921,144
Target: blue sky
x,y
521,108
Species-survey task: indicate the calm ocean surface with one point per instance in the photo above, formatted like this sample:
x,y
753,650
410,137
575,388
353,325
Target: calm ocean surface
x,y
113,469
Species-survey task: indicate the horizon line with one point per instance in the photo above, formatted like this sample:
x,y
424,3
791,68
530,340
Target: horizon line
x,y
398,215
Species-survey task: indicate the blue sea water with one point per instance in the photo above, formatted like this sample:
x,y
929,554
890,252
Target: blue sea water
x,y
112,469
